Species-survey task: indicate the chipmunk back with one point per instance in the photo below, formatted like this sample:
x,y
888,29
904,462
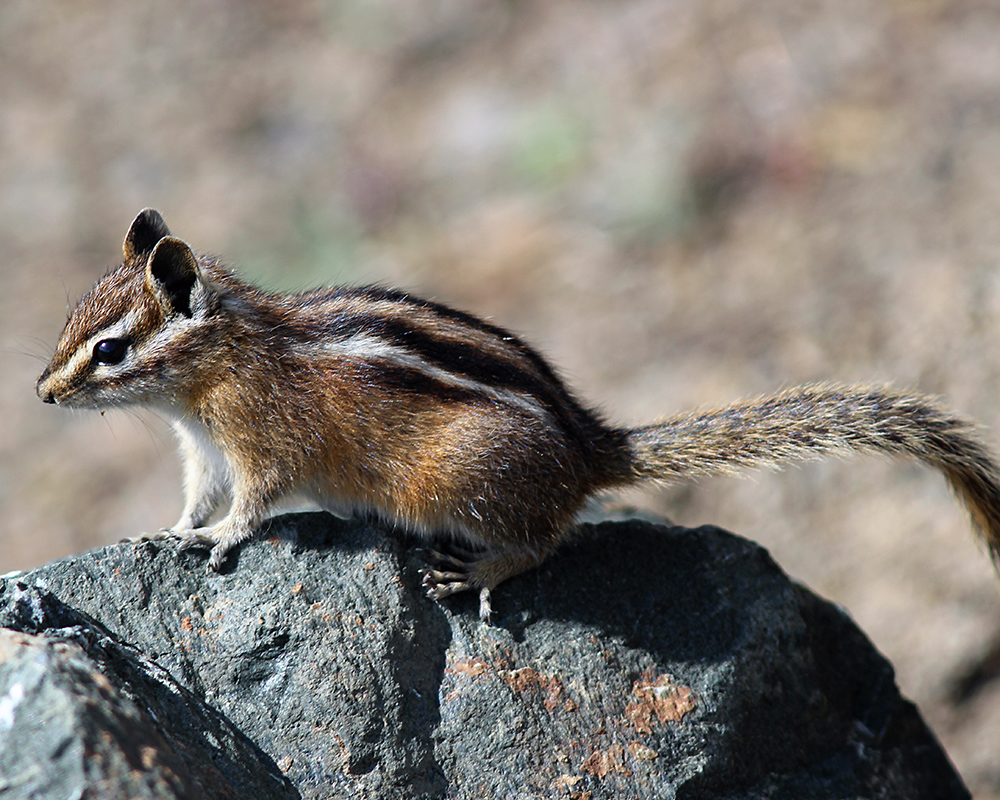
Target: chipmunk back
x,y
367,399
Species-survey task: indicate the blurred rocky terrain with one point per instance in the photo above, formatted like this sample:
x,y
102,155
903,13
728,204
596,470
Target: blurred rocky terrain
x,y
679,202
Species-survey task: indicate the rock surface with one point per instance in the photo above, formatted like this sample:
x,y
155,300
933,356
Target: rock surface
x,y
644,661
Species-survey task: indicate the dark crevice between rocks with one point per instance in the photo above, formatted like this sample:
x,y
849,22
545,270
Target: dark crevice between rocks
x,y
140,710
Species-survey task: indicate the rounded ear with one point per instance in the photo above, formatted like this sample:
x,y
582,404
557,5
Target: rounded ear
x,y
146,230
171,274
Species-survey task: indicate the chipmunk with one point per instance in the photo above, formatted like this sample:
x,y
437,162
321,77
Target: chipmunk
x,y
368,399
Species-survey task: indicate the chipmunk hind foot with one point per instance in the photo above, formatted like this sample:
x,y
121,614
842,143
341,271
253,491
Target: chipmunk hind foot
x,y
482,571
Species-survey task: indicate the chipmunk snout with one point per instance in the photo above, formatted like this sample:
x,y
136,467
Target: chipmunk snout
x,y
45,393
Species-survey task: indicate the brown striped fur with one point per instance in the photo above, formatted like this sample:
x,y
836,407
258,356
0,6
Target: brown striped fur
x,y
367,399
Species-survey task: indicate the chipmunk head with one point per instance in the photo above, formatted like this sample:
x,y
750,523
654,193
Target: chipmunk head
x,y
115,347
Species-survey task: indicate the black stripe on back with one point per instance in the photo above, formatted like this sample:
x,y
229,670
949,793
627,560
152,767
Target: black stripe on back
x,y
414,382
463,359
511,340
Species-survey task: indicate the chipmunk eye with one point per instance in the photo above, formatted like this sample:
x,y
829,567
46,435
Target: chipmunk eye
x,y
110,351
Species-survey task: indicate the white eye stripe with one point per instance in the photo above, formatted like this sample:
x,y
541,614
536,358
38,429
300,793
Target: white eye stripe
x,y
121,329
79,361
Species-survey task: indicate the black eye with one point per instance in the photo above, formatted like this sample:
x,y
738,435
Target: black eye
x,y
110,351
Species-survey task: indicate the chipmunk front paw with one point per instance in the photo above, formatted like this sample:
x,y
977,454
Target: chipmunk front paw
x,y
160,535
190,539
220,539
195,539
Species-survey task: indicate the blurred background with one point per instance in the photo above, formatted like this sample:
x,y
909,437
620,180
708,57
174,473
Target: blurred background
x,y
680,202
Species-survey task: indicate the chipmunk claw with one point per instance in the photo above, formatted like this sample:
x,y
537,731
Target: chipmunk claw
x,y
485,605
443,583
453,577
448,559
197,540
217,557
194,540
160,535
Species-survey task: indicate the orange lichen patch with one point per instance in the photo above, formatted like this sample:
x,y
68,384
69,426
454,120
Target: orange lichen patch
x,y
659,696
641,752
147,757
566,782
552,699
297,588
474,667
601,763
521,680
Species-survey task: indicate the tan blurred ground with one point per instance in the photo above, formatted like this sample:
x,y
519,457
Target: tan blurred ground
x,y
680,202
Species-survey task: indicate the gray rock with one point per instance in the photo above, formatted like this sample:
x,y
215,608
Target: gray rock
x,y
644,661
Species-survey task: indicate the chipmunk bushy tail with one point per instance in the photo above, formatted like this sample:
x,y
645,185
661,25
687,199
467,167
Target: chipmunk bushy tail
x,y
812,421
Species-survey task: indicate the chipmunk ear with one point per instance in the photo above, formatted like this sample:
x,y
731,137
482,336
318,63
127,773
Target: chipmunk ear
x,y
171,274
146,230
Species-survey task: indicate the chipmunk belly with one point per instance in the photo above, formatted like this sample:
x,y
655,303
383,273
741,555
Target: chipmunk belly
x,y
436,461
490,476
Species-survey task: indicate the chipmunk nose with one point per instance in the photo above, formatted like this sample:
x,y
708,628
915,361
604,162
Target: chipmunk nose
x,y
46,394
